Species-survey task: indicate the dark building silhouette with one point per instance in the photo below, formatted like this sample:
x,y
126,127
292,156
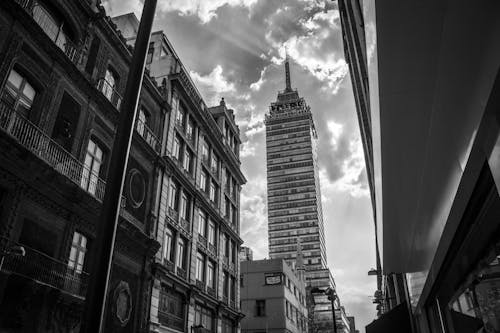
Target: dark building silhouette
x,y
426,87
63,67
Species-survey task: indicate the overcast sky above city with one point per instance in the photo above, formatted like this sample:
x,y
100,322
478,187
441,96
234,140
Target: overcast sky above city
x,y
235,49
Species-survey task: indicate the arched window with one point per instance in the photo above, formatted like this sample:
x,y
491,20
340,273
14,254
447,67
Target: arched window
x,y
19,93
94,159
53,25
111,80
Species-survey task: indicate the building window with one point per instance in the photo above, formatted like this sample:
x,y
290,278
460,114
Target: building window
x,y
200,266
232,289
19,93
186,163
225,284
77,253
168,250
53,27
211,232
189,130
233,252
142,120
214,164
179,118
151,52
202,223
181,249
92,168
109,86
204,317
204,151
227,243
203,180
176,150
185,205
213,191
260,307
171,309
210,274
172,203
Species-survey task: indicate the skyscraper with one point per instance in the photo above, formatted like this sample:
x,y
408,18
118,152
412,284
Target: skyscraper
x,y
293,192
294,198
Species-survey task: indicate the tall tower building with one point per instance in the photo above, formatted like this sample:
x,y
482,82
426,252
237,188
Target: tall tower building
x,y
293,190
294,200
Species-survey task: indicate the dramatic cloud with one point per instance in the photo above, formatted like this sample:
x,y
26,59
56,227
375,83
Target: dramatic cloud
x,y
235,49
213,84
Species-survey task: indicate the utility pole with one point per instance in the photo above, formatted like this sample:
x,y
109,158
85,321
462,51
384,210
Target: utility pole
x,y
100,270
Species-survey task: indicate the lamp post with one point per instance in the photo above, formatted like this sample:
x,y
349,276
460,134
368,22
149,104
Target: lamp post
x,y
332,295
100,270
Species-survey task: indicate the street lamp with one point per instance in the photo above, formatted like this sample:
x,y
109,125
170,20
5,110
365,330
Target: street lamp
x,y
332,295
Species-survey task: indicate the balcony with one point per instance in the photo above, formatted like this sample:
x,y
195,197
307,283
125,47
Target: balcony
x,y
169,265
202,240
147,134
181,273
169,320
200,285
184,224
35,140
47,24
212,249
109,91
211,291
44,270
224,299
232,304
174,215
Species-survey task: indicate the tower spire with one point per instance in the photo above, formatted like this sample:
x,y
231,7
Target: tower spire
x,y
287,72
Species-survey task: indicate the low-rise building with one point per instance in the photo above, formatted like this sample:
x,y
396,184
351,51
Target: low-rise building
x,y
273,297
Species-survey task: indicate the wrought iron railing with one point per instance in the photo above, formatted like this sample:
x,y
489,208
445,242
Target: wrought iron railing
x,y
224,299
181,273
212,248
169,265
184,224
43,269
51,29
200,285
148,135
169,320
40,144
174,215
109,91
202,240
232,304
211,291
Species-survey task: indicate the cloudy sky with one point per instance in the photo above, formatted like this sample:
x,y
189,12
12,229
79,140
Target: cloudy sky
x,y
235,49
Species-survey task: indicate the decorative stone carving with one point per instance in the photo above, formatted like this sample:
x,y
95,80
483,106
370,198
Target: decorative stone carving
x,y
122,304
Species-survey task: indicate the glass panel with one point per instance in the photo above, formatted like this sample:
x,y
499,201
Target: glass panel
x,y
15,79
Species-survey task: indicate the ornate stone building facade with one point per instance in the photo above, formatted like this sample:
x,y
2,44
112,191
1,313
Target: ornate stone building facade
x,y
196,275
63,66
